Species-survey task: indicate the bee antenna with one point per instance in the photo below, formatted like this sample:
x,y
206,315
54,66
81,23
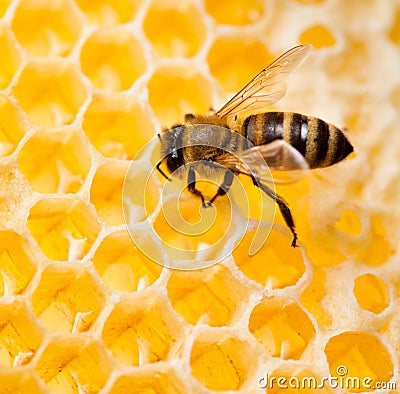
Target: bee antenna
x,y
161,171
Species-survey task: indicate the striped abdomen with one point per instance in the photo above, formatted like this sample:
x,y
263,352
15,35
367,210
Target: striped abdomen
x,y
321,143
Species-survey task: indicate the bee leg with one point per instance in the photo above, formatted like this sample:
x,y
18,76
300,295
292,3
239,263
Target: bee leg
x,y
283,207
191,181
226,184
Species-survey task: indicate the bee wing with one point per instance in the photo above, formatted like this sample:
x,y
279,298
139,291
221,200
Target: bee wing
x,y
269,163
268,86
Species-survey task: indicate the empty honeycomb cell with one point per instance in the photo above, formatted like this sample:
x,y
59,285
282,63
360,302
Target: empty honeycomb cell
x,y
11,126
207,295
189,229
221,361
10,57
164,381
112,59
176,90
362,354
55,161
371,293
312,297
20,335
64,228
108,12
182,35
394,33
318,36
117,125
107,200
122,266
74,365
142,330
59,28
20,381
349,223
67,299
235,12
229,62
17,263
275,265
282,330
50,92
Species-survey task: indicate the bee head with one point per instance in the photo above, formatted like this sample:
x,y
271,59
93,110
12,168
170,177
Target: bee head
x,y
171,149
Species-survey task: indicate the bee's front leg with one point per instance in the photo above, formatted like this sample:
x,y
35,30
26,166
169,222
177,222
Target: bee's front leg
x,y
191,181
224,188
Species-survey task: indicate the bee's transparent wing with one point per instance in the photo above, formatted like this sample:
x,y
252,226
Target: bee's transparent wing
x,y
268,86
275,162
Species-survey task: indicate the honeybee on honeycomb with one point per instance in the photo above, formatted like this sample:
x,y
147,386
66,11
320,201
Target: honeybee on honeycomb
x,y
286,140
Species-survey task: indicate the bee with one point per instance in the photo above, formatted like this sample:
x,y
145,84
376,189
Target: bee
x,y
286,141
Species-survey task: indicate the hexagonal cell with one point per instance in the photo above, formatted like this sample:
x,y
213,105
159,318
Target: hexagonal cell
x,y
142,330
117,126
59,28
64,228
108,200
112,59
17,263
229,62
67,299
66,165
20,381
275,265
318,35
12,127
74,365
184,33
236,12
191,232
20,335
162,380
359,354
221,361
107,12
122,266
371,292
282,329
50,92
10,57
177,90
206,295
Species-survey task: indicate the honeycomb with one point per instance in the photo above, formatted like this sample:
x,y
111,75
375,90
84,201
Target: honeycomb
x,y
84,86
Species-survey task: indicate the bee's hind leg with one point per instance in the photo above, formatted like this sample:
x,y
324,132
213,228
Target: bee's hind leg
x,y
283,207
223,189
191,182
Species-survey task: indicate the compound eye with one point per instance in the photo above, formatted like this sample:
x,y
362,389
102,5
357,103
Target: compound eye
x,y
172,163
